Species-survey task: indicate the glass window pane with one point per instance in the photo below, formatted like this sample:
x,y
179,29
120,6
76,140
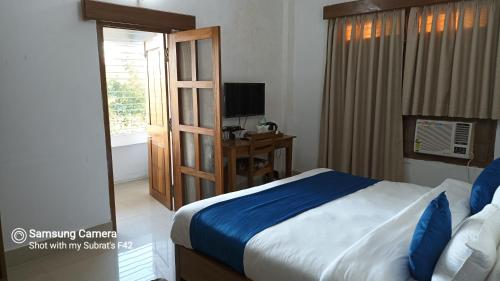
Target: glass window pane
x,y
187,148
207,189
189,187
207,154
204,60
184,61
186,107
127,78
206,108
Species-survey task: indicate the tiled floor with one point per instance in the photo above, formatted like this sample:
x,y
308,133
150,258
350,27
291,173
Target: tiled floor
x,y
141,220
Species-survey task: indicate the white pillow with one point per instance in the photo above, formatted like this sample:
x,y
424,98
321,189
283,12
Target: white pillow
x,y
496,197
472,252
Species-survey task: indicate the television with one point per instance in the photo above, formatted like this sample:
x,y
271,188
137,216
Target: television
x,y
244,99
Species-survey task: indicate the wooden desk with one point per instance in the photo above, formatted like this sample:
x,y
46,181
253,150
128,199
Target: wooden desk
x,y
234,149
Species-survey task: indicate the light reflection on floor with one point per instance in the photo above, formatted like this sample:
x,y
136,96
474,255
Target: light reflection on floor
x,y
141,220
136,264
146,223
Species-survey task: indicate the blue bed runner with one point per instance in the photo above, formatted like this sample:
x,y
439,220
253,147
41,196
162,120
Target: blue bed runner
x,y
222,230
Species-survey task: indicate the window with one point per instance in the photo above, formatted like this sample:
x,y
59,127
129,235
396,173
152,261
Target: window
x,y
365,29
126,79
469,18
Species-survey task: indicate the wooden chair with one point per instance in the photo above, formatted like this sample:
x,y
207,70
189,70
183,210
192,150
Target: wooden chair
x,y
260,161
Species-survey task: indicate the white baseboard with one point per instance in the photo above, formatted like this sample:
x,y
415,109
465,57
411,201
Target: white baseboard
x,y
133,179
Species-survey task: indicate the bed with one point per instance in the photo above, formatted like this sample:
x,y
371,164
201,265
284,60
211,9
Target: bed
x,y
362,235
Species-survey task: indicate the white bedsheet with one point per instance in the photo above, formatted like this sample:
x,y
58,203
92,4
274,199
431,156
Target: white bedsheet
x,y
382,255
303,247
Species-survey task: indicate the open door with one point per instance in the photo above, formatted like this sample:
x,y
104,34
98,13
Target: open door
x,y
194,75
159,166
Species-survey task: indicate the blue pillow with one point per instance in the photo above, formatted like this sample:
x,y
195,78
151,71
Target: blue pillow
x,y
484,187
431,236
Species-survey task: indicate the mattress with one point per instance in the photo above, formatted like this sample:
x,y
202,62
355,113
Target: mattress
x,y
307,245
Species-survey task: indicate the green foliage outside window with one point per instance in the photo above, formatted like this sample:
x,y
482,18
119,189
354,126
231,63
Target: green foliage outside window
x,y
127,104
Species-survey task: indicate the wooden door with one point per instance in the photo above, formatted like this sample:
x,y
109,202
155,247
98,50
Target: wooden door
x,y
159,166
194,75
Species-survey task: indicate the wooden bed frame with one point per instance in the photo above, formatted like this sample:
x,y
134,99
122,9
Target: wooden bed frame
x,y
192,266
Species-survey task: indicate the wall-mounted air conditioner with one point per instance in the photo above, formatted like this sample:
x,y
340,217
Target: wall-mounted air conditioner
x,y
444,138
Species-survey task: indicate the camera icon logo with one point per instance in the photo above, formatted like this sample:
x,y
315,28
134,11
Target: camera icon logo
x,y
19,235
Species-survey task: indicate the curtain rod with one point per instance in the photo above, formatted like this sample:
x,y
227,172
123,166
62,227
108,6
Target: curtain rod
x,y
372,6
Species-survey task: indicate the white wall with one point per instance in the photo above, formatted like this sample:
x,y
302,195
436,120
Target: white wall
x,y
130,157
430,173
53,164
53,160
130,162
306,76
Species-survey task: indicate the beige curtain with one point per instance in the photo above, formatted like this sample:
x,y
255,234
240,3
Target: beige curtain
x,y
452,62
361,126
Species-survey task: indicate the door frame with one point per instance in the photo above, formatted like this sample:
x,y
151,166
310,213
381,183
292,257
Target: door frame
x,y
3,262
125,17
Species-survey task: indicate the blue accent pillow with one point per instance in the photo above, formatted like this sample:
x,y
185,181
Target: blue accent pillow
x,y
484,187
432,234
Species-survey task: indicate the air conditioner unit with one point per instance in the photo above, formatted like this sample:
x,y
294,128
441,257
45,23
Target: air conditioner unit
x,y
444,138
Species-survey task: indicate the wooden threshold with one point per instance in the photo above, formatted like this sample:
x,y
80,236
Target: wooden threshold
x,y
136,17
372,6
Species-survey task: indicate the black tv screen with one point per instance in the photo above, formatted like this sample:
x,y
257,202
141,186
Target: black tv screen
x,y
244,99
